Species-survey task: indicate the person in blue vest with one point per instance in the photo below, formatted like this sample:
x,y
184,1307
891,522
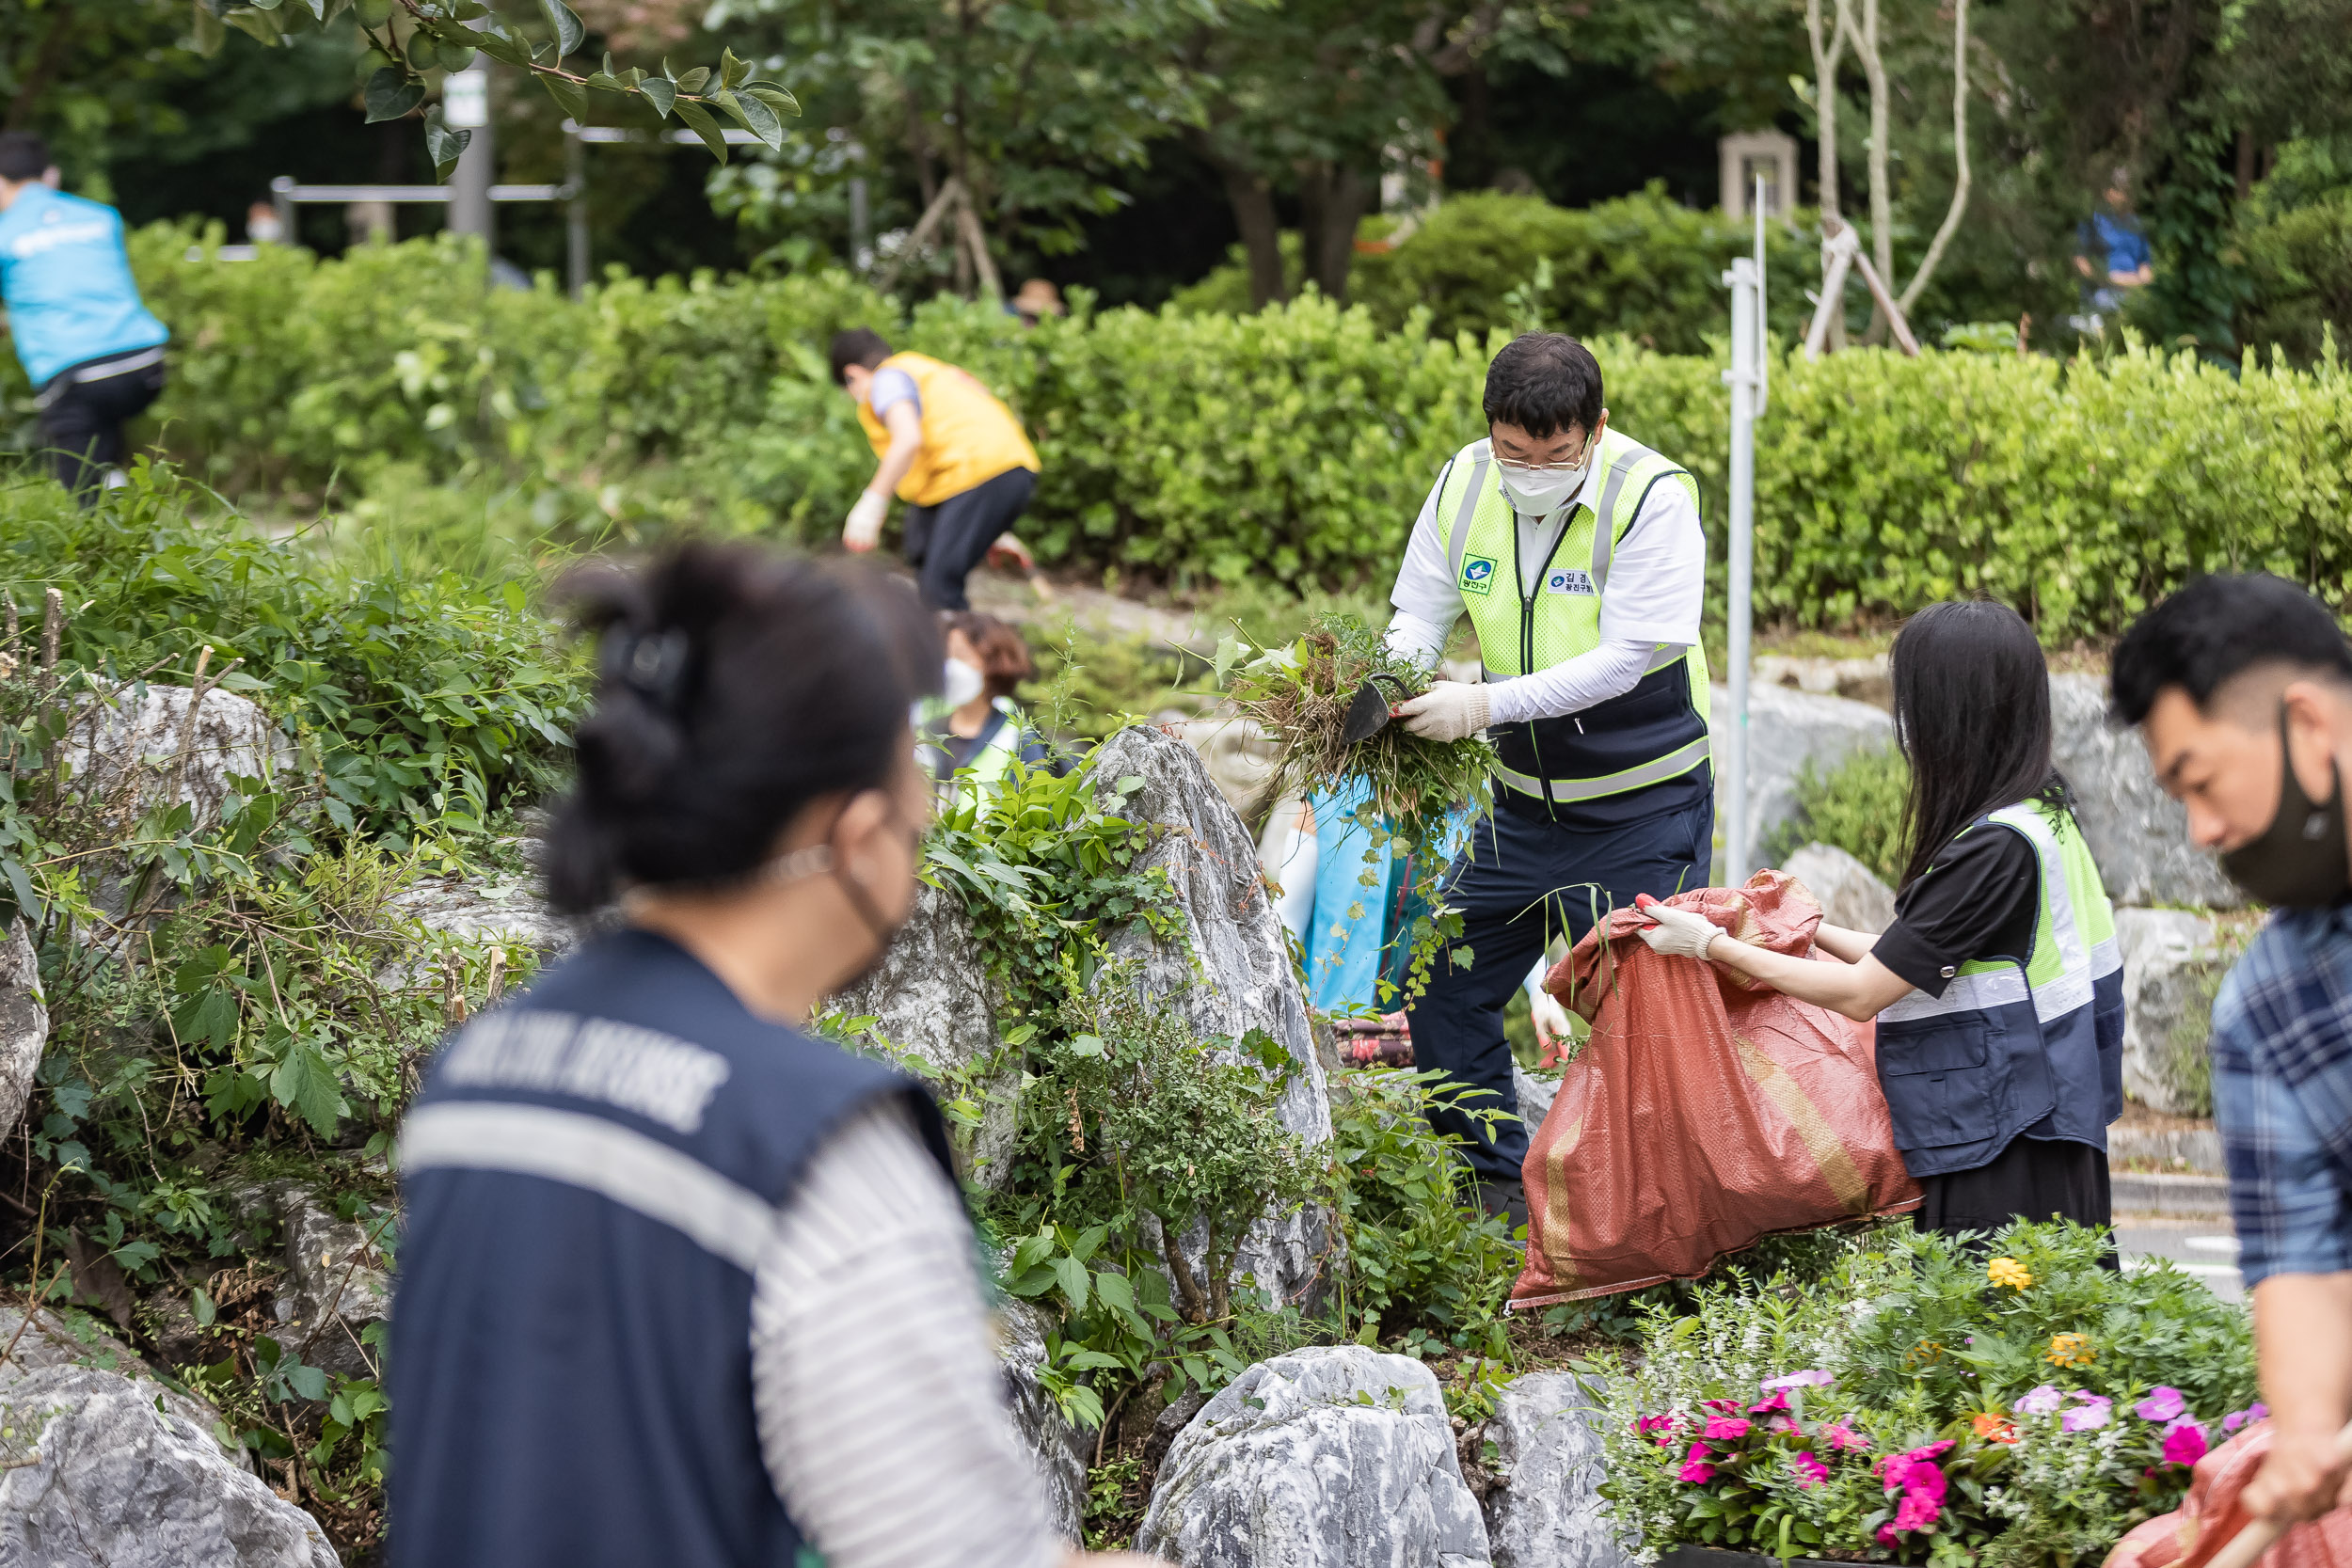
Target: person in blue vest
x,y
92,349
680,1283
1999,990
1576,552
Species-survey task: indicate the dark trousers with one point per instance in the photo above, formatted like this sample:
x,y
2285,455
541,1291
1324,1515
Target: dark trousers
x,y
946,541
2033,1178
1519,881
82,420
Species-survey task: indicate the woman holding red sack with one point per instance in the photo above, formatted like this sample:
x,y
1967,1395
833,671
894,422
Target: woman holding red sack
x,y
1999,990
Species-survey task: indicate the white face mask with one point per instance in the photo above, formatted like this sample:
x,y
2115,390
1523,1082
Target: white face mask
x,y
963,684
1540,490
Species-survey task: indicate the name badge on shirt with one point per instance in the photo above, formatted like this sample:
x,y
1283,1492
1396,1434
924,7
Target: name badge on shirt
x,y
1568,579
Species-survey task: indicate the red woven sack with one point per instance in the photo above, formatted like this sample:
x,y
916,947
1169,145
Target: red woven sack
x,y
1703,1113
2213,1513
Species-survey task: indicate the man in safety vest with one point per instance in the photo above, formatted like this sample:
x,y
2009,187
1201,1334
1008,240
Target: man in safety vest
x,y
1578,555
952,451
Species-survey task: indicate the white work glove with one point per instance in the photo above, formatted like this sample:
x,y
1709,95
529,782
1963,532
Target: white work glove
x,y
1449,710
863,532
1678,932
1549,1017
1009,553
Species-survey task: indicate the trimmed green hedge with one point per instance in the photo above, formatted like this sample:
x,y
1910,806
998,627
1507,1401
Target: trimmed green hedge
x,y
1295,445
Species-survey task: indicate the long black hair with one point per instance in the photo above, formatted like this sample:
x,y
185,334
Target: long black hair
x,y
737,686
1972,715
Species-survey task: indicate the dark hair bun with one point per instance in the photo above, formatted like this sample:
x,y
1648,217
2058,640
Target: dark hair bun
x,y
734,686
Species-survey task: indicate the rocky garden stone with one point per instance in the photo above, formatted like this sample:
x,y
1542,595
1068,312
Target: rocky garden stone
x,y
1332,1457
1544,1442
1788,729
24,1022
1850,892
2137,834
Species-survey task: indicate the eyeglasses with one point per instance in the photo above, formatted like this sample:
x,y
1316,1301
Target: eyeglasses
x,y
1567,465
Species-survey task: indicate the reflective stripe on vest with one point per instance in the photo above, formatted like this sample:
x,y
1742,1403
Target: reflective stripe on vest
x,y
1519,632
969,437
2010,1046
985,773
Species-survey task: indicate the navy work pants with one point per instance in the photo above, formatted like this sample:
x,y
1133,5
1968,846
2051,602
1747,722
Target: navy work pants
x,y
946,541
1521,880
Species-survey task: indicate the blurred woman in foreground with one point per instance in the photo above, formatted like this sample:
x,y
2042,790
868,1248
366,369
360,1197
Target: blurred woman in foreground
x,y
679,1283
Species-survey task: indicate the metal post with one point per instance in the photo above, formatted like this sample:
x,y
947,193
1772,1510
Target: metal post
x,y
466,106
1746,287
282,196
576,211
861,226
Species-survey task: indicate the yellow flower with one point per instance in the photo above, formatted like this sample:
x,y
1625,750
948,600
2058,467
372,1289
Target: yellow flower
x,y
1925,1353
2010,1272
2069,1350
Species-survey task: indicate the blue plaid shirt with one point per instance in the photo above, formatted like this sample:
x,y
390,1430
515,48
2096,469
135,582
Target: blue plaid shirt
x,y
2282,1094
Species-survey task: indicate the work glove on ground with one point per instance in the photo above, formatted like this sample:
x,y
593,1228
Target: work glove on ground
x,y
863,532
1449,710
1676,931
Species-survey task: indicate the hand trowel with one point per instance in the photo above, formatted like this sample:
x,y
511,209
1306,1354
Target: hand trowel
x,y
1368,712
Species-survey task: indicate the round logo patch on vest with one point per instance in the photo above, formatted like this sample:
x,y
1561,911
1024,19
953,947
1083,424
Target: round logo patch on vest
x,y
1478,574
1568,579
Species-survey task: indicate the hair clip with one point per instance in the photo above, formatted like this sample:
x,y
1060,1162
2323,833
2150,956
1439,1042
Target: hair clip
x,y
651,663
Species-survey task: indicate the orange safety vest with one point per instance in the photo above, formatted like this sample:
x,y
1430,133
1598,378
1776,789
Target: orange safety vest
x,y
969,437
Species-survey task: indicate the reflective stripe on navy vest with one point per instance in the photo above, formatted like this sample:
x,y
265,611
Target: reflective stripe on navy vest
x,y
1656,731
589,1179
2014,1047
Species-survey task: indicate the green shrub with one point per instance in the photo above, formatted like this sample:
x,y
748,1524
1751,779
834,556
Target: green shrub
x,y
1288,447
1857,806
2295,235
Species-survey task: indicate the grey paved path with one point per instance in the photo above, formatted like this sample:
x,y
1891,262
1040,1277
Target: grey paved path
x,y
2203,1247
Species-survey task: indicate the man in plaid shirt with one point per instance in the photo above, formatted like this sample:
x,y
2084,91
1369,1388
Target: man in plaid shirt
x,y
2242,688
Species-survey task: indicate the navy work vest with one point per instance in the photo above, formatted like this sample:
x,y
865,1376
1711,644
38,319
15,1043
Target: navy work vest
x,y
589,1178
2030,1045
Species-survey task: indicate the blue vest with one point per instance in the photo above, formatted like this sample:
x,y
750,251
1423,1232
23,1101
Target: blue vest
x,y
588,1178
2027,1044
67,284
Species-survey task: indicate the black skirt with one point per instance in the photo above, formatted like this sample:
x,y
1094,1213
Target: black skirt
x,y
2030,1180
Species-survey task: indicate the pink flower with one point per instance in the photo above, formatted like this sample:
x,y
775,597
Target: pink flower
x,y
1647,1424
1695,1469
2162,1404
1729,1407
1781,1423
1778,1401
1886,1535
1811,1472
1840,1438
1924,1480
2252,1412
2038,1402
2183,1443
1815,1378
1916,1512
1726,1429
2091,1416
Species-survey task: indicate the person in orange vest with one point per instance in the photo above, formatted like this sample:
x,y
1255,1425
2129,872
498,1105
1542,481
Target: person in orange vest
x,y
952,451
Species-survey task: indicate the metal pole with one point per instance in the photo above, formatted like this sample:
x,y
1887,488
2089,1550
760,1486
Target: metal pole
x,y
861,226
1745,287
281,195
466,106
576,212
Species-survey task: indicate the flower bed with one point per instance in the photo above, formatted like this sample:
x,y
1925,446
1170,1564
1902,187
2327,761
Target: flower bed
x,y
1921,1405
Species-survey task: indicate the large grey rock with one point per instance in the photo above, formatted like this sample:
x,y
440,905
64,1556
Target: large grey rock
x,y
931,1005
1848,892
55,1339
1536,1092
1056,1447
2173,963
1239,753
1865,680
1332,1457
334,1285
1233,974
24,1023
135,748
1787,729
97,1474
2137,833
1548,1513
479,911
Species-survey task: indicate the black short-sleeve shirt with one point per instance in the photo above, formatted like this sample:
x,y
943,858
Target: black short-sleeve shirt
x,y
1980,899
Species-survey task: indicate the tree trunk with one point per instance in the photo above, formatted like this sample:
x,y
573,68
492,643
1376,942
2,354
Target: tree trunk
x,y
2244,164
1825,58
1332,198
1252,200
1882,197
1950,225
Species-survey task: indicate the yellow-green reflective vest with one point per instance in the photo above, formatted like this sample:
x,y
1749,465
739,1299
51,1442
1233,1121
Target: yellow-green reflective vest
x,y
2029,1041
1656,731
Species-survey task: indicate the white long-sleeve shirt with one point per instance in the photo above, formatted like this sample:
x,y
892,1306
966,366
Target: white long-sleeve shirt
x,y
1657,589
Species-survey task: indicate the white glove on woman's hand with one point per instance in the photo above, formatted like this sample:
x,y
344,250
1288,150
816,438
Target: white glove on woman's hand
x,y
1549,1017
863,532
1677,932
1449,710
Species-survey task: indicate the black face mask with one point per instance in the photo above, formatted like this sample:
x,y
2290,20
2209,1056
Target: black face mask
x,y
2299,862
